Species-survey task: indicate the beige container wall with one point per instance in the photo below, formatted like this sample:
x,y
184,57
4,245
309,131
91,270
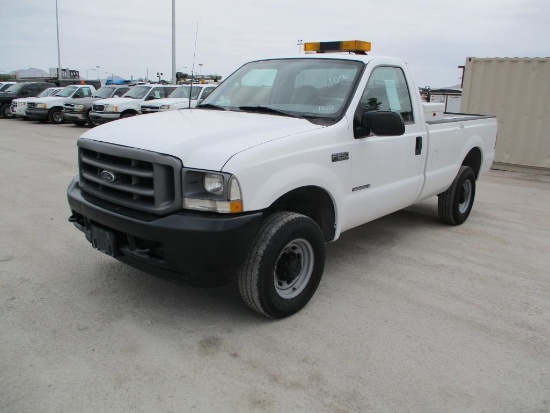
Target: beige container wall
x,y
517,91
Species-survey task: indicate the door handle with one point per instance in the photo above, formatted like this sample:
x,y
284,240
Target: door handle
x,y
418,148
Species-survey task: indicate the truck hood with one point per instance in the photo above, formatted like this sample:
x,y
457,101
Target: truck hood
x,y
166,101
81,101
201,138
114,101
49,99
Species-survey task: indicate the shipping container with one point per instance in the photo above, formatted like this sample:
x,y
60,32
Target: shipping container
x,y
517,91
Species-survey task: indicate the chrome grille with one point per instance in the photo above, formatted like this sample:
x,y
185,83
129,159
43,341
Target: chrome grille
x,y
98,108
149,109
31,105
133,178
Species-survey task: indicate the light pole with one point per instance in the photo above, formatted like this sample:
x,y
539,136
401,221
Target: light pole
x,y
88,73
97,72
200,70
58,50
300,43
173,42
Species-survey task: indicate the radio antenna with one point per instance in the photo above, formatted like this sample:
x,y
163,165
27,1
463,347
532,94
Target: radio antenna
x,y
193,66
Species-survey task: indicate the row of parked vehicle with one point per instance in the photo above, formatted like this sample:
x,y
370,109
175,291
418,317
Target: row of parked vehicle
x,y
83,104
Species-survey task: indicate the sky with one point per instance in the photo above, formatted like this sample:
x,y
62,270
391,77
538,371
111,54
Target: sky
x,y
133,38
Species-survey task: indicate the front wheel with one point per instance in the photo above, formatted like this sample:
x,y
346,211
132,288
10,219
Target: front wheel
x,y
455,204
56,116
127,115
5,111
284,265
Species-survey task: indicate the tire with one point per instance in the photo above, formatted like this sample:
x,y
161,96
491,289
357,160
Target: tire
x,y
79,122
91,122
455,204
56,116
5,111
127,115
284,265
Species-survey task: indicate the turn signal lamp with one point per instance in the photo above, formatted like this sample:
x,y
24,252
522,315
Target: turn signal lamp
x,y
352,46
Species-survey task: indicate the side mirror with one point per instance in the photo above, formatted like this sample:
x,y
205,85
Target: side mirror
x,y
382,123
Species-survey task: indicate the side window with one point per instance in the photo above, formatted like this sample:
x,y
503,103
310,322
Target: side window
x,y
156,93
86,92
387,89
34,89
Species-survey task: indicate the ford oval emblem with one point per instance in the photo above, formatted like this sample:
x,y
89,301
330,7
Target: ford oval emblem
x,y
108,176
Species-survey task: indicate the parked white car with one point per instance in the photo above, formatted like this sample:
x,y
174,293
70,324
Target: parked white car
x,y
18,106
106,110
179,99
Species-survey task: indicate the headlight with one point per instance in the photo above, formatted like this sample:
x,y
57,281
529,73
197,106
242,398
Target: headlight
x,y
210,191
78,107
41,106
111,108
164,107
21,103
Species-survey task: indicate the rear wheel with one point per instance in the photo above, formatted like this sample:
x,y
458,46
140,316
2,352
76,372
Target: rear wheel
x,y
284,266
455,204
56,116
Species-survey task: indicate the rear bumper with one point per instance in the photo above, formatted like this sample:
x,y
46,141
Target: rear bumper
x,y
186,247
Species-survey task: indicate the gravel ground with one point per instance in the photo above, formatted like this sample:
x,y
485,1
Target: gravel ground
x,y
411,315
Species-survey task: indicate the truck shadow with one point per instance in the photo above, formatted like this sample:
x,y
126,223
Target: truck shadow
x,y
152,299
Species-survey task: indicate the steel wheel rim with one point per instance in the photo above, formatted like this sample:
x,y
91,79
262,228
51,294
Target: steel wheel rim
x,y
465,196
297,253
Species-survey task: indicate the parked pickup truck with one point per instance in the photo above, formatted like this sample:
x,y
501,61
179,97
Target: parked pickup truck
x,y
179,99
284,156
106,110
18,106
50,108
20,90
78,111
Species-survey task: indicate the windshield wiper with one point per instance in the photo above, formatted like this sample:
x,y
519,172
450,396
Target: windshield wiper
x,y
211,106
267,109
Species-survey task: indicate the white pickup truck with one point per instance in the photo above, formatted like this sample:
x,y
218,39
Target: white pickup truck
x,y
107,110
50,108
284,156
179,99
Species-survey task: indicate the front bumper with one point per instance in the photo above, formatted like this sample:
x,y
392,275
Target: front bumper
x,y
72,116
37,114
18,111
102,117
187,247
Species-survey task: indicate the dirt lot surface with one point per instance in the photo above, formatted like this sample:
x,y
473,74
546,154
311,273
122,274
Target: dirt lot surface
x,y
411,315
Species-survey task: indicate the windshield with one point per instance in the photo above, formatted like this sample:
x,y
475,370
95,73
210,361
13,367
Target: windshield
x,y
137,92
183,92
5,86
66,91
311,88
103,92
15,88
46,92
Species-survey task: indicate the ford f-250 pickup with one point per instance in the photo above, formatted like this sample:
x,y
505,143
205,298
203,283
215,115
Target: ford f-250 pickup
x,y
284,156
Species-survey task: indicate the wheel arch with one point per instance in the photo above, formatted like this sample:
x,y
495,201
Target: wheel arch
x,y
313,202
473,160
129,112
